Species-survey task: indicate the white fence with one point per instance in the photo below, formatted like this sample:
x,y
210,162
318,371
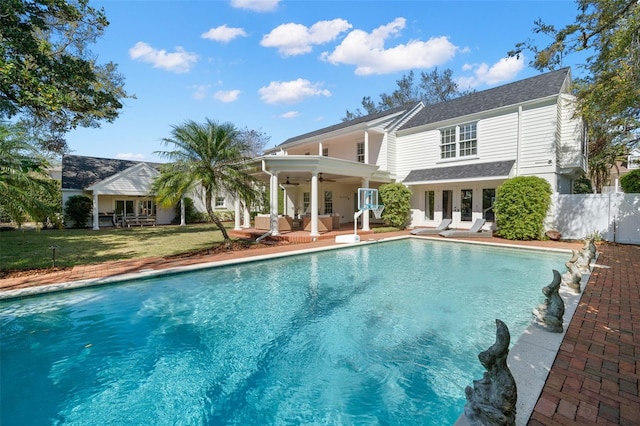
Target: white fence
x,y
613,216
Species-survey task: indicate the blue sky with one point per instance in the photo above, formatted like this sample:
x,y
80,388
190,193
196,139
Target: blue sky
x,y
290,67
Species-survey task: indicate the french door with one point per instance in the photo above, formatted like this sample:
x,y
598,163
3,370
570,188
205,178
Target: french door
x,y
447,203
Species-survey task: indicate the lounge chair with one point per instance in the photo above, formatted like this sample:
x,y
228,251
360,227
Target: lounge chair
x,y
474,231
425,231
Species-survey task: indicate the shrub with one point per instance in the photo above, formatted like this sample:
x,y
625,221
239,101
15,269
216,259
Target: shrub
x,y
521,207
77,209
630,182
226,215
191,215
582,185
396,199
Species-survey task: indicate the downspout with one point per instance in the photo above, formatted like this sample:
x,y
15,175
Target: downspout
x,y
518,140
263,236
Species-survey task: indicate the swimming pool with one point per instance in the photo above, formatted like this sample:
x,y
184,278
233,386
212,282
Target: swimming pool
x,y
387,333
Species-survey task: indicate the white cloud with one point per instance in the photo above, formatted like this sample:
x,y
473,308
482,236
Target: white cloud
x,y
296,39
506,69
367,51
226,95
290,114
256,5
129,156
200,91
291,92
179,61
224,34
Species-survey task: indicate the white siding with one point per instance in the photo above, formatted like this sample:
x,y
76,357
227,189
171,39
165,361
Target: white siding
x,y
417,151
569,147
538,140
497,138
68,193
375,145
387,159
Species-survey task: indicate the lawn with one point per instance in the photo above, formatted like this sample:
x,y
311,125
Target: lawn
x,y
30,249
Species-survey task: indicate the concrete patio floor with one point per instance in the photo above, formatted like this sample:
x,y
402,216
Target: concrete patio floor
x,y
594,378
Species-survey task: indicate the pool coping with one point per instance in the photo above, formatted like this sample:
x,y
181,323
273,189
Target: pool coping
x,y
530,358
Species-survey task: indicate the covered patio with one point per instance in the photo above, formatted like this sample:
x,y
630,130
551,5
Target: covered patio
x,y
320,196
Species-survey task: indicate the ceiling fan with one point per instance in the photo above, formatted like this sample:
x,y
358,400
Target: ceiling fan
x,y
322,179
290,183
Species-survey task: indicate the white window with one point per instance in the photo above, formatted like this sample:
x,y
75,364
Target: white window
x,y
328,202
220,203
488,199
459,141
124,208
466,205
429,201
146,208
468,140
306,202
448,143
360,152
633,162
325,152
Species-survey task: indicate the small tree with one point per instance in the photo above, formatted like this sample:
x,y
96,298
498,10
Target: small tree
x,y
521,207
630,182
582,185
396,199
77,209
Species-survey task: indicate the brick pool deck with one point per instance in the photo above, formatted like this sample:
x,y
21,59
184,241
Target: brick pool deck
x,y
595,376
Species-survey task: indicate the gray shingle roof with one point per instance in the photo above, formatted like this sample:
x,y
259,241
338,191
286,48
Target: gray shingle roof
x,y
469,171
538,87
349,123
79,172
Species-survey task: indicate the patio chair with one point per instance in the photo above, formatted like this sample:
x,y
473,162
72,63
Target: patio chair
x,y
444,225
474,231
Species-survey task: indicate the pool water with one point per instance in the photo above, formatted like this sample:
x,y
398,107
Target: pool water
x,y
386,333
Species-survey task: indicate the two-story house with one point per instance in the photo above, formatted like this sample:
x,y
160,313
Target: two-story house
x,y
452,155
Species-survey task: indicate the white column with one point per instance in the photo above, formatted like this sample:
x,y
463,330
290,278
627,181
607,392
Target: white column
x,y
366,147
273,205
236,216
285,202
183,214
96,212
314,204
365,214
247,218
320,149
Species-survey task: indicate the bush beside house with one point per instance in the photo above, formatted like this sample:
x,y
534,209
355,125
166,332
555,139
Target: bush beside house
x,y
521,207
630,182
396,199
77,209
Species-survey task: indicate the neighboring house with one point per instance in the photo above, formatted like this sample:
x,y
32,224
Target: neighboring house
x,y
452,155
120,190
620,169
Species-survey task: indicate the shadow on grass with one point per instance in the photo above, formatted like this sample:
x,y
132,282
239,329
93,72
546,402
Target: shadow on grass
x,y
31,249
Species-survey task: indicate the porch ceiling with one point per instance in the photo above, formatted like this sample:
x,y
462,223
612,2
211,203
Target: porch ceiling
x,y
299,168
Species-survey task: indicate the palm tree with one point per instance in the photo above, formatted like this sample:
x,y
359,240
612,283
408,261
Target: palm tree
x,y
207,158
25,188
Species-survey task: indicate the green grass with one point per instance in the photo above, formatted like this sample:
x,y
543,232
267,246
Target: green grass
x,y
383,229
30,249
